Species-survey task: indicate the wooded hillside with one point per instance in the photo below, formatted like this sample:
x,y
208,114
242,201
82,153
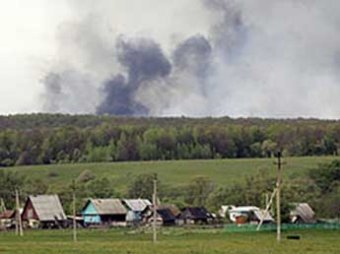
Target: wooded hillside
x,y
48,139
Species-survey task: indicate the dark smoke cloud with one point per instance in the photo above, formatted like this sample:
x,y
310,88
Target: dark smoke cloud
x,y
141,74
119,99
143,61
236,63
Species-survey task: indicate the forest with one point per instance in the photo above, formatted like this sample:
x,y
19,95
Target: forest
x,y
36,139
49,139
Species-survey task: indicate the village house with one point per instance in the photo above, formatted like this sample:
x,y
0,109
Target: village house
x,y
195,215
173,208
104,212
44,211
137,209
164,217
7,219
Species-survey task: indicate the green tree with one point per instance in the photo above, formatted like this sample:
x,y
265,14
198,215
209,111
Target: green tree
x,y
199,190
326,175
9,182
142,186
101,188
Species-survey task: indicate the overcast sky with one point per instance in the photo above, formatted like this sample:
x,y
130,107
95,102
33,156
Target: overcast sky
x,y
29,45
27,35
289,65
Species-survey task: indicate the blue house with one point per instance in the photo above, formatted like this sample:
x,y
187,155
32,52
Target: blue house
x,y
103,211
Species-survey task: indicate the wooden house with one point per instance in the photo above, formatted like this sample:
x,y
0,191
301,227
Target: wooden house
x,y
195,215
104,212
44,211
137,209
7,219
164,217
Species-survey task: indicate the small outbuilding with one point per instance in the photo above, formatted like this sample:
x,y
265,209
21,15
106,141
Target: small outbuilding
x,y
302,213
104,212
44,211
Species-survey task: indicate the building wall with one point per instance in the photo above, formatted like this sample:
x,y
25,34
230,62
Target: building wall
x,y
29,212
90,215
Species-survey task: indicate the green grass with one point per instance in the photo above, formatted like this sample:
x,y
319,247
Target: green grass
x,y
175,241
222,172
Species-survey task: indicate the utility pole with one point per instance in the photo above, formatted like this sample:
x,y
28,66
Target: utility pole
x,y
2,205
154,201
74,211
278,196
18,224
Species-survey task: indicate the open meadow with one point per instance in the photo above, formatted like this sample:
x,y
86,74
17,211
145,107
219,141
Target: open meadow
x,y
170,241
174,173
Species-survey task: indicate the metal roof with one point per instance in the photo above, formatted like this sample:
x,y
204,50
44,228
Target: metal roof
x,y
244,209
108,206
263,215
48,207
304,212
137,205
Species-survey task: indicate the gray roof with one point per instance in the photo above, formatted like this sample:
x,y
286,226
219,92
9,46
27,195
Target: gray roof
x,y
108,206
263,215
48,207
304,212
137,205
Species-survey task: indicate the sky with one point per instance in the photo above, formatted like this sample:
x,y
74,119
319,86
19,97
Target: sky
x,y
261,58
27,43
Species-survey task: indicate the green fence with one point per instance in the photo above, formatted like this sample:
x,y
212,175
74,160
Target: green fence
x,y
285,227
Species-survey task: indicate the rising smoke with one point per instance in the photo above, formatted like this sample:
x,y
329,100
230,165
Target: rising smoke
x,y
267,58
143,61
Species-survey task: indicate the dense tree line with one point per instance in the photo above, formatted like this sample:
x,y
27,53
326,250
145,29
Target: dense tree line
x,y
49,139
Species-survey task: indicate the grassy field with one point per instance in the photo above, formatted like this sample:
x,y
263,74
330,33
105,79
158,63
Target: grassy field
x,y
222,172
170,241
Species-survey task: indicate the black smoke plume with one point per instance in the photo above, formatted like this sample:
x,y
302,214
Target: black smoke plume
x,y
234,58
143,61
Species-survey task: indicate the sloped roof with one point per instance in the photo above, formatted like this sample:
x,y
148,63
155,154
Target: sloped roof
x,y
262,214
195,213
173,208
7,214
248,210
108,206
166,214
304,212
48,207
244,209
137,205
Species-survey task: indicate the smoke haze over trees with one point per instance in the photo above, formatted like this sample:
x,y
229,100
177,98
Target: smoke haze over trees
x,y
197,58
